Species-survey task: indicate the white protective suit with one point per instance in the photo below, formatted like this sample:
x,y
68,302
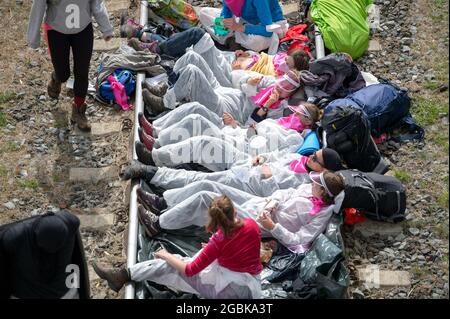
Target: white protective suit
x,y
295,228
241,175
197,83
190,137
213,282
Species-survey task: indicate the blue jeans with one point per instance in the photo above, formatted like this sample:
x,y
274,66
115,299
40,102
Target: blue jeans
x,y
176,45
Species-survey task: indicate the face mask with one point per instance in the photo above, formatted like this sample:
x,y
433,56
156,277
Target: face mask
x,y
291,122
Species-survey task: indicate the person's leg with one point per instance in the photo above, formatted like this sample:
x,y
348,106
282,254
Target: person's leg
x,y
213,153
160,272
82,47
253,42
175,196
187,127
181,112
218,61
193,210
59,48
193,58
176,45
169,178
193,86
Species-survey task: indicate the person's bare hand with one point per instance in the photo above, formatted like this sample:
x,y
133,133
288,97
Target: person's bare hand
x,y
229,120
235,65
266,172
239,53
162,253
232,25
266,221
204,245
258,160
255,80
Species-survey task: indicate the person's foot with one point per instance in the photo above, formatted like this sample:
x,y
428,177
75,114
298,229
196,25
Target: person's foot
x,y
151,47
155,103
116,277
146,125
129,28
159,90
152,202
149,220
146,139
54,87
79,117
138,170
143,154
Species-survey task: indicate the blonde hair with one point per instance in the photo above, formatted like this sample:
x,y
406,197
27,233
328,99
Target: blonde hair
x,y
221,216
313,110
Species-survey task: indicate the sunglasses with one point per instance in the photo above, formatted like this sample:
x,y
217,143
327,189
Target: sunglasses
x,y
314,158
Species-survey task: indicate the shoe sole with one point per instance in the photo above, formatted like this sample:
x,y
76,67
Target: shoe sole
x,y
145,227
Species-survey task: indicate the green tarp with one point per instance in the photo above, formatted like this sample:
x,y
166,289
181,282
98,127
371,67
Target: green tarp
x,y
343,24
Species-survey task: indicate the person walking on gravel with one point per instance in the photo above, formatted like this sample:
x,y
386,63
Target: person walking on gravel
x,y
68,24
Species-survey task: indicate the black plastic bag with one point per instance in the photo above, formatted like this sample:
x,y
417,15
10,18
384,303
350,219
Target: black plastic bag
x,y
284,264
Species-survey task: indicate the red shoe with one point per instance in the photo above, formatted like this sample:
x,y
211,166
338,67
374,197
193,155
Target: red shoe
x,y
146,139
146,125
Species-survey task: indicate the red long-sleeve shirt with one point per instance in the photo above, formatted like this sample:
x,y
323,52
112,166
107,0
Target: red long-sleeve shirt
x,y
240,252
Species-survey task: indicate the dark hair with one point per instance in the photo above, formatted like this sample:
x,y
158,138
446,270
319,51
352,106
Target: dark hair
x,y
221,216
335,184
301,59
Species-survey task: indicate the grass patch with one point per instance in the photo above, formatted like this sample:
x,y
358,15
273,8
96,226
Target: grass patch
x,y
441,139
402,176
439,3
6,97
10,146
28,183
426,111
441,230
443,199
3,171
3,120
420,272
419,224
433,86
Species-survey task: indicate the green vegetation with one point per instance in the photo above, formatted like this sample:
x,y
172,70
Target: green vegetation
x,y
443,199
6,97
420,272
441,229
3,171
432,85
426,111
28,183
3,120
403,176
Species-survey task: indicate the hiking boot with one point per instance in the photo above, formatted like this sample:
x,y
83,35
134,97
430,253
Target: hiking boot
x,y
116,277
142,46
130,29
138,170
143,154
146,125
155,103
152,202
54,87
149,220
146,139
159,90
79,117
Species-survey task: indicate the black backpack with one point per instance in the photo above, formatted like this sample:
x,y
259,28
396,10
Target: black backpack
x,y
348,133
379,197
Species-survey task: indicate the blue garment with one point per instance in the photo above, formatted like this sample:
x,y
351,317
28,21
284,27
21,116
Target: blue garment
x,y
258,14
176,45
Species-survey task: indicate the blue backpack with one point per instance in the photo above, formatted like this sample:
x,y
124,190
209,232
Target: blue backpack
x,y
127,78
386,106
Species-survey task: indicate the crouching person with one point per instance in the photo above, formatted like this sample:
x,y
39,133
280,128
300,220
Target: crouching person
x,y
228,266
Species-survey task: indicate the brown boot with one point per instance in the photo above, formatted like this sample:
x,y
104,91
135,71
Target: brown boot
x,y
153,102
159,90
79,117
53,87
116,278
